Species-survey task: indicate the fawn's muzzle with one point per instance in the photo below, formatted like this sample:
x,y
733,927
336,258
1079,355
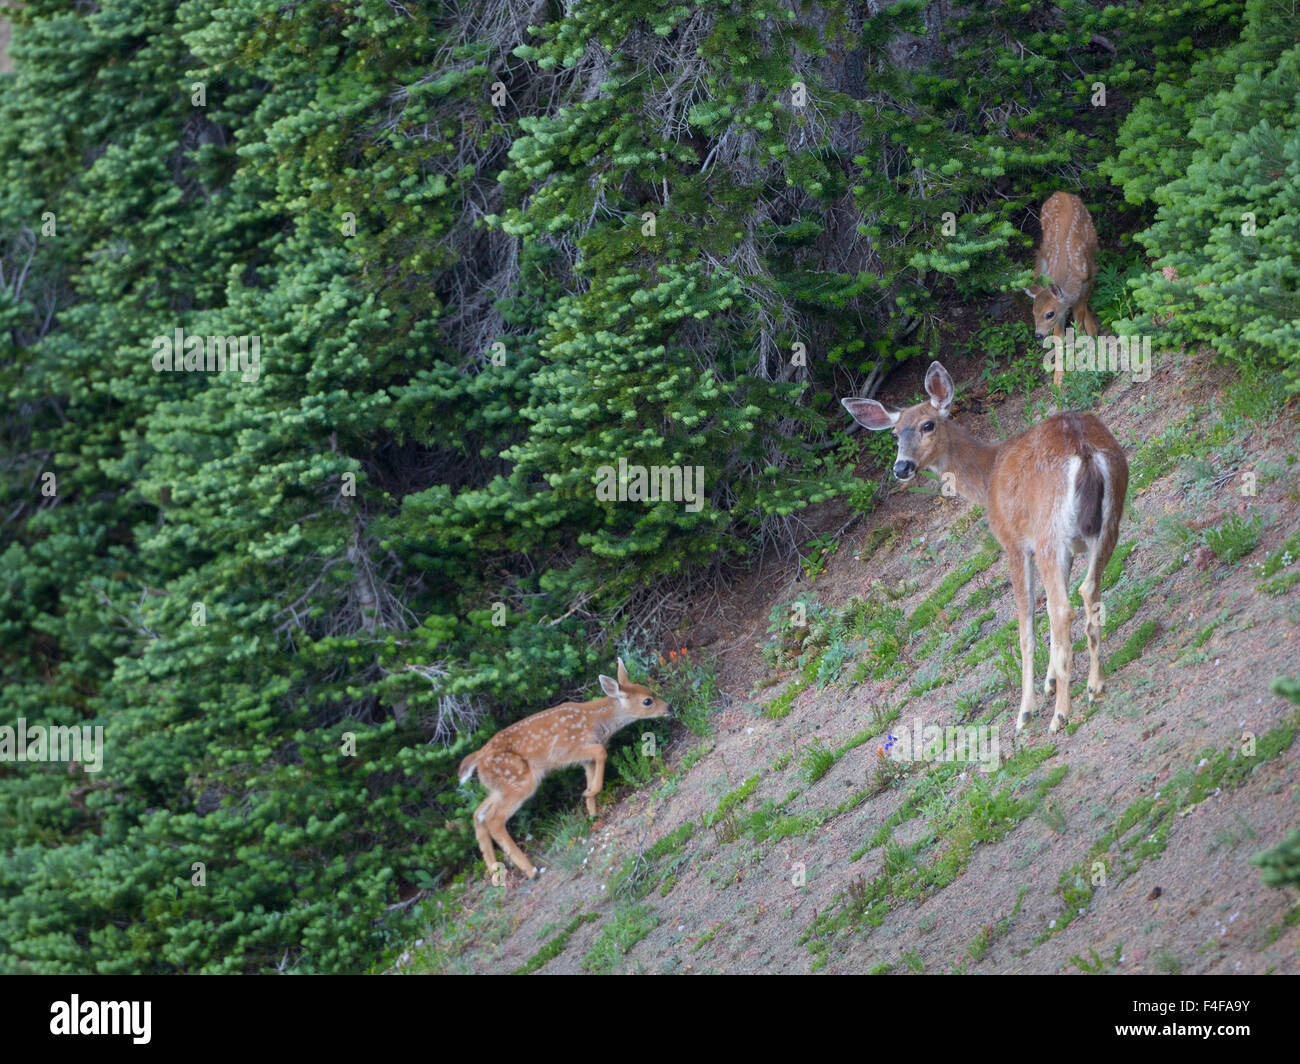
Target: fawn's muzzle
x,y
904,469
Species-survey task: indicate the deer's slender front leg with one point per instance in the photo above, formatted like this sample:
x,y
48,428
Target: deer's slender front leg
x,y
594,762
1022,585
1086,317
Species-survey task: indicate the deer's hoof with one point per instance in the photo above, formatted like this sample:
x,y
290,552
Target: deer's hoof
x,y
1049,686
1057,724
1094,692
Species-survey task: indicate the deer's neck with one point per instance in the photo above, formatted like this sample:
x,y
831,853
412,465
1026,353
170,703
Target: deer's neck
x,y
970,461
607,718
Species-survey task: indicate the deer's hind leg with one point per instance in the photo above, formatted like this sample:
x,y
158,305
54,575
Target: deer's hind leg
x,y
512,782
1094,614
1022,585
482,834
1055,570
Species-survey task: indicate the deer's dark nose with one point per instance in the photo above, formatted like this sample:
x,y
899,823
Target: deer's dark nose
x,y
1039,336
904,469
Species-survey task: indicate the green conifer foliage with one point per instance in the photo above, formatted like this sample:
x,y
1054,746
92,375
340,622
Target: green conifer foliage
x,y
484,263
1220,158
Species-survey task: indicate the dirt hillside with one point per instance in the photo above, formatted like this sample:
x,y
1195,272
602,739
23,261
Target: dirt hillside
x,y
783,841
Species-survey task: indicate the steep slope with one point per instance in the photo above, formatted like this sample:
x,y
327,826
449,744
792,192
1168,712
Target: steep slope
x,y
785,842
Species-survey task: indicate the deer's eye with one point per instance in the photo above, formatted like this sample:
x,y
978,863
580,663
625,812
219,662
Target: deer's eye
x,y
648,702
1050,314
928,427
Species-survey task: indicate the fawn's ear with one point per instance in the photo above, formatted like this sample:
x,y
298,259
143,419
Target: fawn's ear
x,y
622,673
939,387
1032,293
610,686
1058,292
871,414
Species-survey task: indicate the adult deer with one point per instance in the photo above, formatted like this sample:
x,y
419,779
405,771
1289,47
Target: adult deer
x,y
1054,491
1068,255
513,762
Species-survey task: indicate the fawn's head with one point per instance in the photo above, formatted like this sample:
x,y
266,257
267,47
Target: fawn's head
x,y
922,430
1050,308
633,699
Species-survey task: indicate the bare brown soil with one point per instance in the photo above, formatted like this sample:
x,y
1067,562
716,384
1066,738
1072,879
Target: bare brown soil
x,y
732,904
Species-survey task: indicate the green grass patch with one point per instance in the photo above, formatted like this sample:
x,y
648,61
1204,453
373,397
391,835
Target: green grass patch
x,y
948,588
1132,648
1235,538
1273,581
627,926
983,812
733,800
555,946
818,759
1142,830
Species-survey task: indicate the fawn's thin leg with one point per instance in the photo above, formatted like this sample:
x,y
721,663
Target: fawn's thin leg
x,y
1022,585
496,824
481,831
594,762
1086,317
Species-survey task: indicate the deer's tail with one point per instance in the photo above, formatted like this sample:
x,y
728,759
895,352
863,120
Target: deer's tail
x,y
1090,492
468,766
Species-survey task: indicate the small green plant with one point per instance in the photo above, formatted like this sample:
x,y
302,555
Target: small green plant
x,y
1168,962
819,554
1019,374
1053,816
1133,647
567,831
1095,964
626,926
1083,388
1285,557
818,759
1235,538
1281,864
629,765
689,683
555,946
1112,298
695,755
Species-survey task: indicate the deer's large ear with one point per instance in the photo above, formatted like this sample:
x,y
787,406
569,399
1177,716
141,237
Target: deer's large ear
x,y
1032,293
610,686
939,387
622,672
1058,292
870,414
